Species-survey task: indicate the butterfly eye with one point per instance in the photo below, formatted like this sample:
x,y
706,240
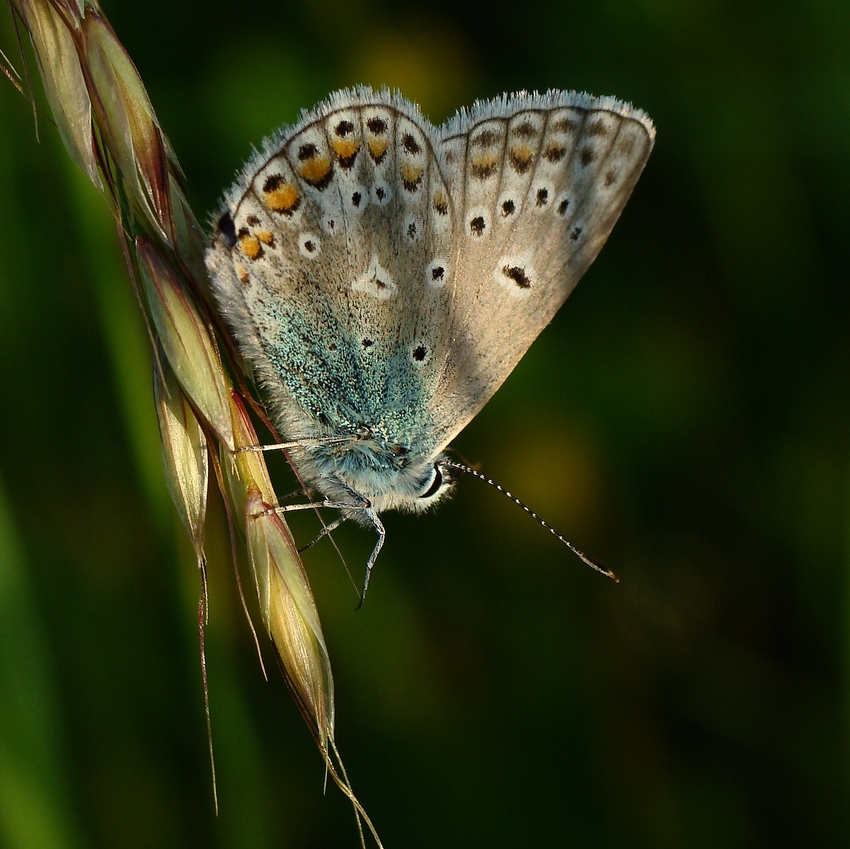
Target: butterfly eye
x,y
433,484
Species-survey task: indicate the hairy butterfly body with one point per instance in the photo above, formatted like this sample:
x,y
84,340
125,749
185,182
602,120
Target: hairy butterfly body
x,y
382,277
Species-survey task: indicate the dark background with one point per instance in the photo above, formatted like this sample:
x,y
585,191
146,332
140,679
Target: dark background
x,y
685,419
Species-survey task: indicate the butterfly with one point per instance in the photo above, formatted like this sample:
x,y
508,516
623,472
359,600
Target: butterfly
x,y
383,276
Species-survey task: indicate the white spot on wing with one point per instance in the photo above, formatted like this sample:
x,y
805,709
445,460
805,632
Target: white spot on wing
x,y
478,222
508,205
382,194
310,245
515,273
437,272
375,281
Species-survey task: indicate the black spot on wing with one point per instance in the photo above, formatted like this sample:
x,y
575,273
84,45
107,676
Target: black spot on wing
x,y
518,275
227,229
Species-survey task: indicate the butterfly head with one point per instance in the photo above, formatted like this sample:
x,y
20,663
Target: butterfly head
x,y
434,484
414,490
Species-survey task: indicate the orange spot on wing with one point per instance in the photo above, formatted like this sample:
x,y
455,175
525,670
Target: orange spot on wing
x,y
411,175
520,157
484,165
345,148
486,160
283,198
316,169
377,147
250,246
441,202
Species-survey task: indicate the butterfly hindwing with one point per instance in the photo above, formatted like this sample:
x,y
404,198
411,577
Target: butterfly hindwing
x,y
540,182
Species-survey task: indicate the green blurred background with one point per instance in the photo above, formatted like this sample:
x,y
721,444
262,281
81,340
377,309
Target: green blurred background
x,y
686,419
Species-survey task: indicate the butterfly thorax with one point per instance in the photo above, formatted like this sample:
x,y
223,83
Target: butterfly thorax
x,y
369,466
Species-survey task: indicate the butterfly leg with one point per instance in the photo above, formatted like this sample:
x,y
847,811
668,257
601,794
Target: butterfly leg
x,y
308,505
326,529
297,494
382,534
295,443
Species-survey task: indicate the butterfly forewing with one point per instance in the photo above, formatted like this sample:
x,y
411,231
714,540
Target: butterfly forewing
x,y
544,180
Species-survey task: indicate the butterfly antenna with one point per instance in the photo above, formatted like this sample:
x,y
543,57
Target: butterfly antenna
x,y
590,561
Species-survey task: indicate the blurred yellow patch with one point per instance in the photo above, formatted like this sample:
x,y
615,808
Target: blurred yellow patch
x,y
556,469
425,60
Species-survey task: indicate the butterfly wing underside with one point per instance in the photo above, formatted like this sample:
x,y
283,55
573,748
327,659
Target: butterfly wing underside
x,y
334,277
376,270
538,183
